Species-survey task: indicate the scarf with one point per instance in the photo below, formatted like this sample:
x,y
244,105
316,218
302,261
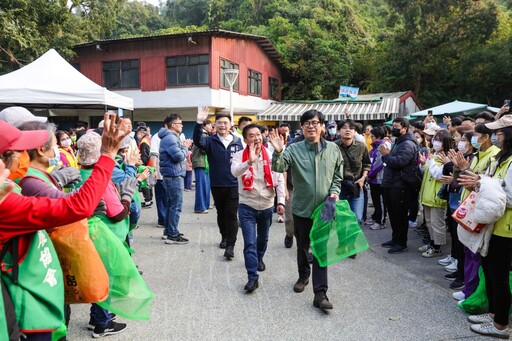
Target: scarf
x,y
248,177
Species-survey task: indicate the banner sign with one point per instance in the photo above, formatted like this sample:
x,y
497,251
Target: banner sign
x,y
348,92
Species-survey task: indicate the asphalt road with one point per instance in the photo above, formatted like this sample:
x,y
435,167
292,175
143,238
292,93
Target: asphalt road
x,y
199,295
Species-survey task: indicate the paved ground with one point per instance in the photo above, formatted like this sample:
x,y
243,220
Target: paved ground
x,y
199,295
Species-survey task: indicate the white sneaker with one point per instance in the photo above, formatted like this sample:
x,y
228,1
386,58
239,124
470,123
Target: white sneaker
x,y
377,226
446,260
280,219
369,222
424,248
459,295
431,252
490,330
482,318
413,224
452,267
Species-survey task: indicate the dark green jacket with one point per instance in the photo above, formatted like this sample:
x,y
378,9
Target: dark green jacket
x,y
315,174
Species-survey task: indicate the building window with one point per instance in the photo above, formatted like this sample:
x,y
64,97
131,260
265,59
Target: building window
x,y
188,70
254,83
226,64
121,74
273,88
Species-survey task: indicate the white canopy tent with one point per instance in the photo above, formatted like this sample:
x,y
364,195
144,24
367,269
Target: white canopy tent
x,y
51,82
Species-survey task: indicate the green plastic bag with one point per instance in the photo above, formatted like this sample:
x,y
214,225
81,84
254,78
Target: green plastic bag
x,y
129,295
60,332
151,180
477,302
338,239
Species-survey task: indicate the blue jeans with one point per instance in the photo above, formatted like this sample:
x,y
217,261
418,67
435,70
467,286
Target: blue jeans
x,y
356,204
161,200
99,316
202,190
188,180
174,190
255,226
134,212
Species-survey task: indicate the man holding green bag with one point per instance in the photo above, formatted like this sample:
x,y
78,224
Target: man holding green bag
x,y
316,166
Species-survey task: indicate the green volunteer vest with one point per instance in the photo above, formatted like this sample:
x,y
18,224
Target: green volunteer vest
x,y
503,227
429,189
479,165
38,297
120,228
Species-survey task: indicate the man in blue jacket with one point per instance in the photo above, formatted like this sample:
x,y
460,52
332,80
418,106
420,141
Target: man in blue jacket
x,y
220,149
172,167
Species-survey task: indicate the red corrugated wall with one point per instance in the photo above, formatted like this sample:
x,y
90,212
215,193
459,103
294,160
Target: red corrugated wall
x,y
153,52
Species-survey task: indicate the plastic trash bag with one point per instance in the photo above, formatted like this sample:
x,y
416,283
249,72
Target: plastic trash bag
x,y
129,295
338,239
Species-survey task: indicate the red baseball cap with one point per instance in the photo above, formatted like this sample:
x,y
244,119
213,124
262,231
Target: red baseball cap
x,y
12,138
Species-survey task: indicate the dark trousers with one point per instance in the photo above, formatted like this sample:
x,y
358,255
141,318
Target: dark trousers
x,y
496,268
226,203
396,202
147,192
302,228
365,208
379,213
161,199
188,180
413,203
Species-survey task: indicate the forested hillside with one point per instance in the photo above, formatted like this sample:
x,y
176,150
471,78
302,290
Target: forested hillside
x,y
441,49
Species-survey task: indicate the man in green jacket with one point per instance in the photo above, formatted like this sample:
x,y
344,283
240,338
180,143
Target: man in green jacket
x,y
316,166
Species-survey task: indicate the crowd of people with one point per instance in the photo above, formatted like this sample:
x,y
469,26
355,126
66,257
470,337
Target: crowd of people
x,y
421,169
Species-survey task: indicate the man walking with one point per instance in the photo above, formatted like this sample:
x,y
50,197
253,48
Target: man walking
x,y
256,183
220,149
395,191
316,166
172,166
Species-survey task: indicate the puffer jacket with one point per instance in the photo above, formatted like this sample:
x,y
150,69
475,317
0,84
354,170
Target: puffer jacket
x,y
172,154
403,153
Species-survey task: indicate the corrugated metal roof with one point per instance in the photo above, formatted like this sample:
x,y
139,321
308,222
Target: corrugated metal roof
x,y
265,44
333,110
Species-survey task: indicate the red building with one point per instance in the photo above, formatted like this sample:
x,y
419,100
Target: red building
x,y
181,72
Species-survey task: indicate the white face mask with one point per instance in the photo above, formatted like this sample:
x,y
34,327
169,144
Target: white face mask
x,y
66,143
332,131
462,147
437,145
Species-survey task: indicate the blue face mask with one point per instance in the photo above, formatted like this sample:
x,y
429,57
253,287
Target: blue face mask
x,y
474,142
494,138
332,131
54,160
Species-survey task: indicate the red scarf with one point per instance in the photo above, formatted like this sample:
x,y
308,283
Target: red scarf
x,y
248,177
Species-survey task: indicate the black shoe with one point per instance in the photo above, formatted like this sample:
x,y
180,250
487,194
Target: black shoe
x,y
230,252
310,258
321,301
451,276
397,249
111,329
91,325
251,285
388,244
288,242
179,240
223,243
300,285
353,256
261,265
457,284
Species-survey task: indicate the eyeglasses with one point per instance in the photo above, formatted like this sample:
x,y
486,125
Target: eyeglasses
x,y
313,124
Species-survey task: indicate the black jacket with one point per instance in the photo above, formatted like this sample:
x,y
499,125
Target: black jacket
x,y
404,152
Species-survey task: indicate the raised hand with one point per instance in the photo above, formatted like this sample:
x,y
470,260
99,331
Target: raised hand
x,y
468,179
112,137
277,141
202,114
6,185
253,153
443,158
458,159
187,143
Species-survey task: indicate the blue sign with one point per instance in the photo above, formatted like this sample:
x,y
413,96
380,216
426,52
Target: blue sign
x,y
348,92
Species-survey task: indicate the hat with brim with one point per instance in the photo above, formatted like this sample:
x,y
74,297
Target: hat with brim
x,y
432,130
19,115
12,138
503,122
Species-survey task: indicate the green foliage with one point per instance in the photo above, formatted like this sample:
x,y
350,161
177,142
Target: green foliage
x,y
441,49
